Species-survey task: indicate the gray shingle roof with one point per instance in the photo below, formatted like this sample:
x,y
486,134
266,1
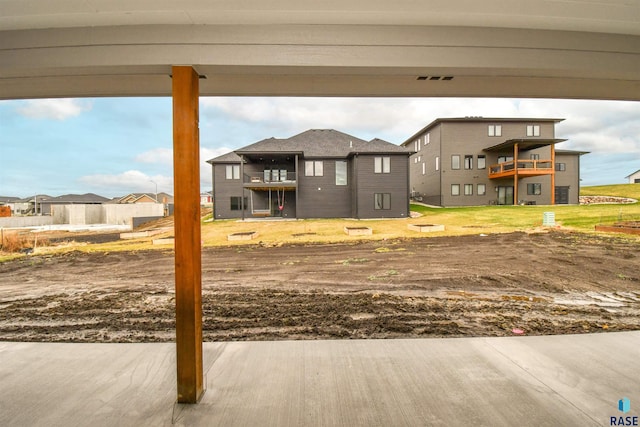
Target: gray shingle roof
x,y
318,143
75,198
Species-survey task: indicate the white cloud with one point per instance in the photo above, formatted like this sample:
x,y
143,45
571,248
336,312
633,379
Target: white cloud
x,y
597,126
157,155
132,181
55,109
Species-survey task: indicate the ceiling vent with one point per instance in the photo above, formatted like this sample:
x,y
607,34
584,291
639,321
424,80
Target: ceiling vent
x,y
447,78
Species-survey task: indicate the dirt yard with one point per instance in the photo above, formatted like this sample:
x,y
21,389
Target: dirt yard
x,y
496,285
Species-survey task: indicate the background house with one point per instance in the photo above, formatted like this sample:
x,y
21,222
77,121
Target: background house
x,y
46,203
475,161
634,178
315,174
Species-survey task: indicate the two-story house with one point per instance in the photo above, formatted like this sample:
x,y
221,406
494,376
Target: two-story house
x,y
316,174
475,161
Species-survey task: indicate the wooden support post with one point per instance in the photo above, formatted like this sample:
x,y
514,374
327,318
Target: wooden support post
x,y
186,171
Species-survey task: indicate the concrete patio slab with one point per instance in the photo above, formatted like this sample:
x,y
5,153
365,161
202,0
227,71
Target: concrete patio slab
x,y
542,381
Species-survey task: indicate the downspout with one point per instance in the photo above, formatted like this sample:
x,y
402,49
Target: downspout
x,y
213,194
242,185
408,186
295,169
355,184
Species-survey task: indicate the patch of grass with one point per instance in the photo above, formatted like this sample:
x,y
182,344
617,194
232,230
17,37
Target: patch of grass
x,y
457,221
617,190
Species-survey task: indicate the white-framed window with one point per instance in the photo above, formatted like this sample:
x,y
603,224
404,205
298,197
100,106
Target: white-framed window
x,y
494,130
382,164
455,189
482,189
533,130
424,168
313,168
468,189
427,139
482,161
468,161
437,163
382,201
232,172
534,157
455,161
341,172
561,167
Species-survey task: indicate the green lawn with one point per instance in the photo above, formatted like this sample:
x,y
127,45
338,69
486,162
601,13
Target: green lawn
x,y
618,190
457,221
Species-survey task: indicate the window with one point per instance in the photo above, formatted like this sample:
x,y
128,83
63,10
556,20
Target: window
x,y
233,172
468,189
424,168
482,189
313,168
534,156
482,161
236,203
382,201
455,161
561,167
468,161
504,159
382,164
427,139
534,189
533,130
437,163
495,130
455,189
419,158
341,172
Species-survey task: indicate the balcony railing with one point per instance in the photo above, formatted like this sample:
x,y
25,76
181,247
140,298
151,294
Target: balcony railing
x,y
525,167
270,177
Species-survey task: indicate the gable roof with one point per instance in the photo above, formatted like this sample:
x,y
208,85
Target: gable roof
x,y
74,198
315,143
632,173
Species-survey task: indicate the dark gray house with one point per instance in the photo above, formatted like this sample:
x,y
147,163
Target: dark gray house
x,y
315,174
475,161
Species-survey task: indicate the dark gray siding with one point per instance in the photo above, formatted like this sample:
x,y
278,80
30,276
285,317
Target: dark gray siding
x,y
224,189
571,176
427,184
460,138
319,196
394,183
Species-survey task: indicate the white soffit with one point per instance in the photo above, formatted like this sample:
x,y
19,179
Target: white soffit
x,y
571,49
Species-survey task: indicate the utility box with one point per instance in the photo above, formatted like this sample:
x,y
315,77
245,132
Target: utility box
x,y
549,219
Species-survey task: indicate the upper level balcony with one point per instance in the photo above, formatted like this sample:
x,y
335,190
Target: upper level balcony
x,y
273,179
521,168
